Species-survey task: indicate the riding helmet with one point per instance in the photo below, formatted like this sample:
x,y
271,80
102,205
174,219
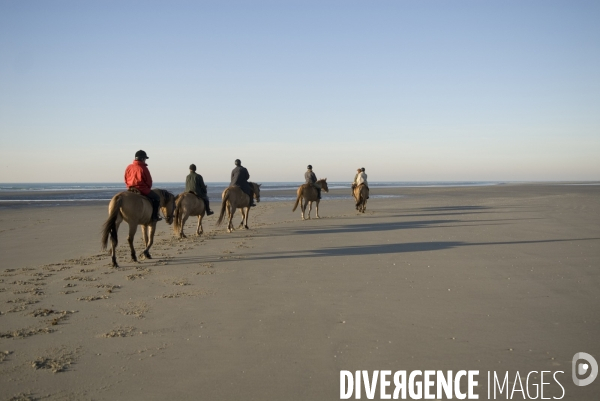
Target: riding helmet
x,y
141,154
193,167
238,162
362,169
309,167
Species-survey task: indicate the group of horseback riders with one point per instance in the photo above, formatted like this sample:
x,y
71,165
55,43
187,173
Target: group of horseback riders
x,y
138,176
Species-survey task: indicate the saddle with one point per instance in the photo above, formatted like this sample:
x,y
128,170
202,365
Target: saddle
x,y
197,196
137,192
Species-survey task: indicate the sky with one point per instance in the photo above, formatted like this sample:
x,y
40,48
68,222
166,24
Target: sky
x,y
411,90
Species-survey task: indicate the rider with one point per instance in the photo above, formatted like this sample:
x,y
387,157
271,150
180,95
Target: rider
x,y
361,178
194,183
311,179
358,171
239,177
138,176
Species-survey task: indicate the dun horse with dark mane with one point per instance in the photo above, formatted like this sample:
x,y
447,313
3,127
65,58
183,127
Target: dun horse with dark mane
x,y
361,194
233,197
136,210
307,194
186,205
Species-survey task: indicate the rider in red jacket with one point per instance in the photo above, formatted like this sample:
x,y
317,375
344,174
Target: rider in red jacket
x,y
138,176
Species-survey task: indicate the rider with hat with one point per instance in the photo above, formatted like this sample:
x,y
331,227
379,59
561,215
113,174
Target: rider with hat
x,y
138,176
240,177
311,179
194,183
361,178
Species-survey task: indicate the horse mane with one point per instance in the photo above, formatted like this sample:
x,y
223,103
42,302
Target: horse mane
x,y
166,194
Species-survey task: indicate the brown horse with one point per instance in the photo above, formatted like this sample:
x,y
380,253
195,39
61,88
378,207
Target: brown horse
x,y
307,194
361,194
136,210
234,197
188,204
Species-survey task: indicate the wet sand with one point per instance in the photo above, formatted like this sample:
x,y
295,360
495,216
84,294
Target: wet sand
x,y
499,278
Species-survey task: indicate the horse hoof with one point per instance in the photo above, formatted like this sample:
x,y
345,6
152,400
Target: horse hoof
x,y
147,255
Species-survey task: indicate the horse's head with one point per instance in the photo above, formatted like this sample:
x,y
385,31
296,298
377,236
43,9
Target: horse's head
x,y
256,190
167,205
323,182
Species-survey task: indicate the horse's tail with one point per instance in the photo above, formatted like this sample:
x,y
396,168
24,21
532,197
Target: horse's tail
x,y
178,215
300,190
223,206
109,227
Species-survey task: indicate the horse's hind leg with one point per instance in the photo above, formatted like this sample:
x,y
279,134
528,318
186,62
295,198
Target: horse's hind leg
x,y
132,231
309,208
114,241
302,208
230,211
183,220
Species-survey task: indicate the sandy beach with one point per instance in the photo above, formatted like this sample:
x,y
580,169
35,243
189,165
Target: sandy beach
x,y
500,278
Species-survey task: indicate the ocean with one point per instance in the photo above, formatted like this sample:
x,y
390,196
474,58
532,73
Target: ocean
x,y
64,193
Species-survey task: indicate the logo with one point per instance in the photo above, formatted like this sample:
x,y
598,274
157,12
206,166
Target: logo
x,y
580,369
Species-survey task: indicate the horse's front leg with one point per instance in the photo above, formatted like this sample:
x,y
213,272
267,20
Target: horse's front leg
x,y
309,209
317,208
199,229
145,236
132,231
149,239
245,219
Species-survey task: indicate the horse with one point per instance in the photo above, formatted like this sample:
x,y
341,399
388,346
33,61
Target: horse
x,y
188,204
361,194
307,194
233,197
136,210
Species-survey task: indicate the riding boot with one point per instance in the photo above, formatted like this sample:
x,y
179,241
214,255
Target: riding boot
x,y
155,216
207,207
251,194
319,193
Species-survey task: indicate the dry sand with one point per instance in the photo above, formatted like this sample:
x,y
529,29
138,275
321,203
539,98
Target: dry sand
x,y
500,278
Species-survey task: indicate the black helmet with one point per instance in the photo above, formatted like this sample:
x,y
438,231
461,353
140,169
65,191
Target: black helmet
x,y
309,167
141,154
362,169
238,162
193,167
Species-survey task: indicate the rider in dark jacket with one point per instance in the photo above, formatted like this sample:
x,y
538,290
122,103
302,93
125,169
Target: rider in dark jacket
x,y
195,183
311,179
240,177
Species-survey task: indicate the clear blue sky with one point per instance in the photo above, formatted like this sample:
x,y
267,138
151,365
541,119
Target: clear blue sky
x,y
411,90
